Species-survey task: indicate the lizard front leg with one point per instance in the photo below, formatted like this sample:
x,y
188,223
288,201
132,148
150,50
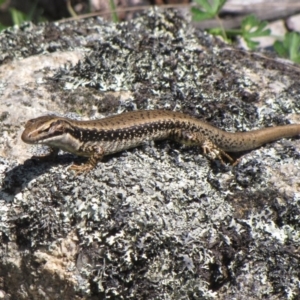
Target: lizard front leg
x,y
96,154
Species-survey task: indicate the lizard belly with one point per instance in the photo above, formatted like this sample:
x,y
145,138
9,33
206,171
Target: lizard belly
x,y
117,145
66,143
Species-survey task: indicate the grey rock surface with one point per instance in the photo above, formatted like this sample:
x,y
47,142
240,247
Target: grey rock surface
x,y
160,221
293,23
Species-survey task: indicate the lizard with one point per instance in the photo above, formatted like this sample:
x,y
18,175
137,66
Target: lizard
x,y
97,138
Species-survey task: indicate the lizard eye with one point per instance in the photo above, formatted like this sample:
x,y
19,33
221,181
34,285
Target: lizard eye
x,y
57,126
30,123
44,130
56,123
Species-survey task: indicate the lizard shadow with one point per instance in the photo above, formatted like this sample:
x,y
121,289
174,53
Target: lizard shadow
x,y
19,176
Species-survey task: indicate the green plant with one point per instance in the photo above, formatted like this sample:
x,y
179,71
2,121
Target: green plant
x,y
289,47
208,10
1,25
18,17
253,28
115,17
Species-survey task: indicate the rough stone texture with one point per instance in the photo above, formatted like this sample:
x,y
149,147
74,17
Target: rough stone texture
x,y
159,221
293,23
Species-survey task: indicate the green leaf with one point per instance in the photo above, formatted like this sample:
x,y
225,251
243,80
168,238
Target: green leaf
x,y
294,45
115,17
289,47
252,44
199,15
216,31
252,28
217,5
280,49
205,5
219,31
17,16
208,10
32,11
2,27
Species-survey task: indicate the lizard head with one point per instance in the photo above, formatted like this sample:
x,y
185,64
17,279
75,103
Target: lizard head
x,y
42,128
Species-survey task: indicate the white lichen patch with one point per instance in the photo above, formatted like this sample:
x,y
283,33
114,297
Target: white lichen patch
x,y
160,221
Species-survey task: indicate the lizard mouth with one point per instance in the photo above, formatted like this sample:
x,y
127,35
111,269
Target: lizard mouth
x,y
33,137
38,136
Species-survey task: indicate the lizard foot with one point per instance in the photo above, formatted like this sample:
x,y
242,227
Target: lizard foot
x,y
80,169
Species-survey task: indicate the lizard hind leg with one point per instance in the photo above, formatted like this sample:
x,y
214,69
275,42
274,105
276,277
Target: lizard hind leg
x,y
213,151
210,149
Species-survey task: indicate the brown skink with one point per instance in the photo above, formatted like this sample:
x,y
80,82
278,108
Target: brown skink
x,y
96,138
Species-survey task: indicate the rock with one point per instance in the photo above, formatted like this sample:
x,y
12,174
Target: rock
x,y
160,221
293,23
